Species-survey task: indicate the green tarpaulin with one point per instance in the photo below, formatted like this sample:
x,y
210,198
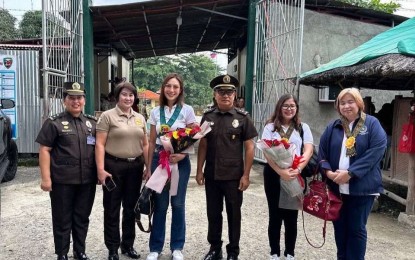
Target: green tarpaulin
x,y
397,40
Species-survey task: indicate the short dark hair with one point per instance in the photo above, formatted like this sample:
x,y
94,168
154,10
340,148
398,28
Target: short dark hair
x,y
123,85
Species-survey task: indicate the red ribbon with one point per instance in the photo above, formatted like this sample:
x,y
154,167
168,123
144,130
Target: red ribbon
x,y
164,161
296,161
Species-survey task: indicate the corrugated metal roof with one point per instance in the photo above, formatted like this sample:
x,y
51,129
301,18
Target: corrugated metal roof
x,y
147,29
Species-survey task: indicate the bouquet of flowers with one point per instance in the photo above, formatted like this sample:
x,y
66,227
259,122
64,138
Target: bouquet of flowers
x,y
177,141
282,153
180,140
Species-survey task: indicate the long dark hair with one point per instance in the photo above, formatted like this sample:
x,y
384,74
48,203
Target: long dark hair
x,y
180,98
277,118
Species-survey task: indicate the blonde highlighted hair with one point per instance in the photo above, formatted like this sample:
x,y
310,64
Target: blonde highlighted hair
x,y
355,93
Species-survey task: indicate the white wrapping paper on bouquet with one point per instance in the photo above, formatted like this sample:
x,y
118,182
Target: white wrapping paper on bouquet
x,y
160,177
284,158
167,170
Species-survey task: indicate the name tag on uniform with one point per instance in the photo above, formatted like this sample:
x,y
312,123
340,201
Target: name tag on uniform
x,y
90,140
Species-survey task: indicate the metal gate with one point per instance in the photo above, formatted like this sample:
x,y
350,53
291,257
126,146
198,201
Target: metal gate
x,y
278,47
62,37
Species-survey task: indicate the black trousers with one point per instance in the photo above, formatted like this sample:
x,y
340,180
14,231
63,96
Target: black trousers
x,y
216,191
71,207
277,215
128,177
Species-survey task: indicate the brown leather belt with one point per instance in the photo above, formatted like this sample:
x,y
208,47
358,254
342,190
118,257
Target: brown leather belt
x,y
133,159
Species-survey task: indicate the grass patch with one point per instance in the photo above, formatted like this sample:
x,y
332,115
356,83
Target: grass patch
x,y
28,162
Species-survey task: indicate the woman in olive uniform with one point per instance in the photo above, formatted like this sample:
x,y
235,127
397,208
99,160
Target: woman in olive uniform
x,y
121,153
68,170
226,172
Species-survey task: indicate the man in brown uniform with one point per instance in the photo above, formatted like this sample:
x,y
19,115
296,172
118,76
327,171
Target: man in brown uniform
x,y
226,173
68,170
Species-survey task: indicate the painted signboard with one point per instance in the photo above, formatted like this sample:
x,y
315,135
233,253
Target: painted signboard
x,y
8,86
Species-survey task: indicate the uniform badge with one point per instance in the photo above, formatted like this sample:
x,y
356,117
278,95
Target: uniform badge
x,y
138,122
363,130
65,123
88,124
235,123
76,86
65,127
211,123
99,120
226,79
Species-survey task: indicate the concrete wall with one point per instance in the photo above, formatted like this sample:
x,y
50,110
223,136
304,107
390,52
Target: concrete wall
x,y
327,37
102,65
124,67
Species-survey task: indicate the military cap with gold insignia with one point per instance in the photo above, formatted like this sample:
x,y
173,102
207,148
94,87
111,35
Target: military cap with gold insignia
x,y
224,82
74,88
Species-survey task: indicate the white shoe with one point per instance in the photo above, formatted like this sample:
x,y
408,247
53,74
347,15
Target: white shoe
x,y
275,257
289,257
152,256
177,255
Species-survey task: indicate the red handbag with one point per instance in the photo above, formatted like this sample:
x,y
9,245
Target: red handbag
x,y
321,203
407,139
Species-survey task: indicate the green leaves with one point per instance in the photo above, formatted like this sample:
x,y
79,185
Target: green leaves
x,y
31,25
7,22
197,71
377,5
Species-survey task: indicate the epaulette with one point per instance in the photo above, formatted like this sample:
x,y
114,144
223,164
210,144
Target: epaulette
x,y
242,112
56,116
209,110
91,117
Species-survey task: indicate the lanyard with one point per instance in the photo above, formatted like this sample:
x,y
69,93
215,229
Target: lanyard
x,y
172,118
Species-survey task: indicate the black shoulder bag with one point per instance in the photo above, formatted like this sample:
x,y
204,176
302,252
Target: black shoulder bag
x,y
312,164
144,206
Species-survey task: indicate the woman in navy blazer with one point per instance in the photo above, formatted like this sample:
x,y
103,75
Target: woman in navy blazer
x,y
353,147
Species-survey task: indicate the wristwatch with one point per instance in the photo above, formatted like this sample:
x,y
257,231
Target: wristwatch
x,y
351,174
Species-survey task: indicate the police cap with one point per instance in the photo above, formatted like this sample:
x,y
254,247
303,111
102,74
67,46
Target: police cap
x,y
224,82
73,88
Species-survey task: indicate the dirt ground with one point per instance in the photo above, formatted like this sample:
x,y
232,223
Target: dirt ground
x,y
26,228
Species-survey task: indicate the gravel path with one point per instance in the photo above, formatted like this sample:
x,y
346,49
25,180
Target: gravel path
x,y
26,228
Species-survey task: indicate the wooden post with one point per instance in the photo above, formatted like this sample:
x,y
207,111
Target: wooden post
x,y
410,199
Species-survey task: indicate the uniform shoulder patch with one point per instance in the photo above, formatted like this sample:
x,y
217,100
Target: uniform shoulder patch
x,y
56,116
91,117
242,112
209,110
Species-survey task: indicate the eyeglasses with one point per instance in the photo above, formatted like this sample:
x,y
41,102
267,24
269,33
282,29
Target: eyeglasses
x,y
290,107
224,92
